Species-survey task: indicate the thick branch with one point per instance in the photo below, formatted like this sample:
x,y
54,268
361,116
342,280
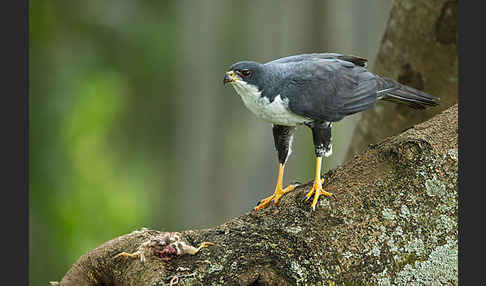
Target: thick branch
x,y
393,218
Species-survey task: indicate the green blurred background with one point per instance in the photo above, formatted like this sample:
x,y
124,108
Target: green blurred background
x,y
131,127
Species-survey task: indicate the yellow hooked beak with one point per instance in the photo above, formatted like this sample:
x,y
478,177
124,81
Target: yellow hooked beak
x,y
230,76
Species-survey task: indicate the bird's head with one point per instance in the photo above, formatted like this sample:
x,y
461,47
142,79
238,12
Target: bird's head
x,y
244,72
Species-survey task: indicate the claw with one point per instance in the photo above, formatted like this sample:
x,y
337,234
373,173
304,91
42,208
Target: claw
x,y
316,191
126,254
192,250
273,199
279,192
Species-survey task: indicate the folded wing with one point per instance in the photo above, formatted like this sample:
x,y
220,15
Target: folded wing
x,y
328,89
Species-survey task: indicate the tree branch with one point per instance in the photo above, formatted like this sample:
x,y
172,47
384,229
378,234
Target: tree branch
x,y
393,218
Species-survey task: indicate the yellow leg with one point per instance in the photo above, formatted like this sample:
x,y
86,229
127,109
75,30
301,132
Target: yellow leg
x,y
279,191
193,250
317,187
126,254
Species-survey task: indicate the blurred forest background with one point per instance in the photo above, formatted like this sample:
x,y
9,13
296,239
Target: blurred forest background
x,y
131,127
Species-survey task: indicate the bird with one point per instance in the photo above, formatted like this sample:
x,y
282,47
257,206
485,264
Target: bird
x,y
313,90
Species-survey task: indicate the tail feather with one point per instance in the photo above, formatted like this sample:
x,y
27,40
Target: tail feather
x,y
391,90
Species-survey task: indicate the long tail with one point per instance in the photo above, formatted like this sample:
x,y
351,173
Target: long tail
x,y
391,90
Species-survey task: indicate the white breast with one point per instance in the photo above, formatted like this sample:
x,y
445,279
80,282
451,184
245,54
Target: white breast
x,y
276,112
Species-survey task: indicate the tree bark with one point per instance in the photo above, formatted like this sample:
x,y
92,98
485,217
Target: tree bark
x,y
391,221
418,49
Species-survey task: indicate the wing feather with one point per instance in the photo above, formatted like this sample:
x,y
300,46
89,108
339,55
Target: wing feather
x,y
328,89
320,56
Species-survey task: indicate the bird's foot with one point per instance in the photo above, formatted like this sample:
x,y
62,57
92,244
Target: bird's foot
x,y
193,250
126,254
279,192
316,191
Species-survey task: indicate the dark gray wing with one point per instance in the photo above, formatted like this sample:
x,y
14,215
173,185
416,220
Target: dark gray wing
x,y
328,89
319,56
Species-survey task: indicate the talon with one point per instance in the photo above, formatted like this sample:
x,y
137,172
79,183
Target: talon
x,y
263,203
192,250
126,254
309,194
317,187
279,192
204,245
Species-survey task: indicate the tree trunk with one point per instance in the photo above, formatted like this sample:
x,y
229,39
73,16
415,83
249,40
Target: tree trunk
x,y
391,221
418,49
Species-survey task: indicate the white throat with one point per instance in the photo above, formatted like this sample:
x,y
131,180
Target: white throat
x,y
276,112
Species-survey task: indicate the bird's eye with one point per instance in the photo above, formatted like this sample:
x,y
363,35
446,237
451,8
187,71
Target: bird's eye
x,y
245,72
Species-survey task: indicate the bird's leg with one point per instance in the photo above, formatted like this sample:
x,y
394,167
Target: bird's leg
x,y
321,135
126,254
282,136
279,191
317,187
192,250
